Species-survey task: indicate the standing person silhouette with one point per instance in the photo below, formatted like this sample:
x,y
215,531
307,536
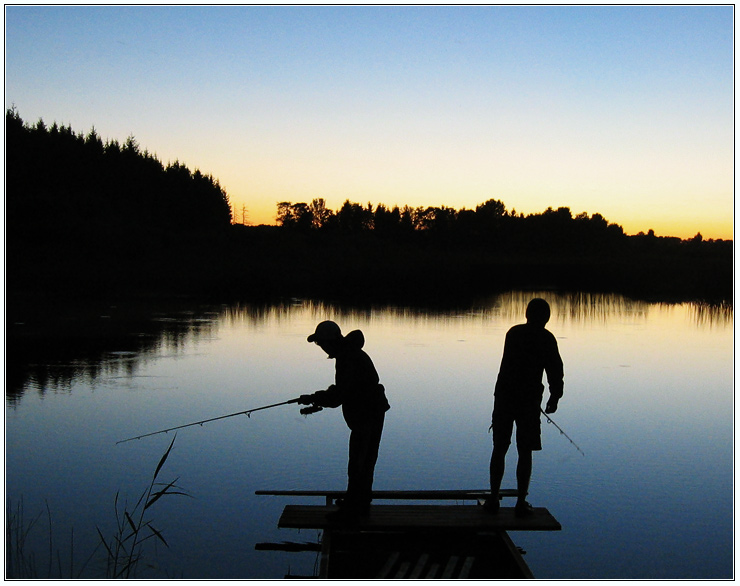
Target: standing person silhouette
x,y
357,390
529,351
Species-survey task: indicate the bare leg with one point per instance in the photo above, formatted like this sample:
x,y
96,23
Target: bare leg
x,y
498,464
523,474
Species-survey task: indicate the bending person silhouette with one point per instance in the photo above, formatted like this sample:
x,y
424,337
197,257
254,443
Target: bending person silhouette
x,y
357,390
529,351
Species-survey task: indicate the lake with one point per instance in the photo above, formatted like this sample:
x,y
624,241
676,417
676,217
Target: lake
x,y
648,399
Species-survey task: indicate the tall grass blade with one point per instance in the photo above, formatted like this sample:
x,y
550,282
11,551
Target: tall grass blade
x,y
134,528
158,534
164,458
104,542
51,546
166,490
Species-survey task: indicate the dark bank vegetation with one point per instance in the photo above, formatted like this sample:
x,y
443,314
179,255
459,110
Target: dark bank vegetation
x,y
87,218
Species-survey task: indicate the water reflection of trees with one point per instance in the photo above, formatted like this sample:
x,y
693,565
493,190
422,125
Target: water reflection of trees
x,y
53,349
59,348
575,307
578,307
707,314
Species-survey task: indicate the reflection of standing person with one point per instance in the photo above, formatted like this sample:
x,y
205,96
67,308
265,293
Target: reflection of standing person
x,y
529,350
364,404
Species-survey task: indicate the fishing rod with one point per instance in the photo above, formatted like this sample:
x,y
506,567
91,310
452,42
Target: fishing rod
x,y
561,431
304,411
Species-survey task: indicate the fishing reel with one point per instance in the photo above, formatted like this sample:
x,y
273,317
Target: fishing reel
x,y
311,409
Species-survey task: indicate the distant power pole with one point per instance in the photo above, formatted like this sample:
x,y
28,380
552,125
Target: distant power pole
x,y
235,215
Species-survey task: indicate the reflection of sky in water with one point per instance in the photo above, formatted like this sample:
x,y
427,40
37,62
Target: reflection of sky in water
x,y
648,398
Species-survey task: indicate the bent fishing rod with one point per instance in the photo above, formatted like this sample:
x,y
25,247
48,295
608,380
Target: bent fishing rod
x,y
560,429
248,412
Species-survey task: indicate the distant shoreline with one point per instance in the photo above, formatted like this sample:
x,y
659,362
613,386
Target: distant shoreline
x,y
259,264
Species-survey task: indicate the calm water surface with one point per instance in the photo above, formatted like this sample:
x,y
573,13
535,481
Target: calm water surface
x,y
648,398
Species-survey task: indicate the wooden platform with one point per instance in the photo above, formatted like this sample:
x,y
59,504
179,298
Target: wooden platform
x,y
421,495
415,541
422,517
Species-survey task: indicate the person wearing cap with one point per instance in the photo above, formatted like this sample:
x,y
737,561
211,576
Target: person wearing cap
x,y
358,390
529,351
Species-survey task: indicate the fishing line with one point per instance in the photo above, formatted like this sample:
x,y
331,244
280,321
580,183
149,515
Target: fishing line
x,y
248,413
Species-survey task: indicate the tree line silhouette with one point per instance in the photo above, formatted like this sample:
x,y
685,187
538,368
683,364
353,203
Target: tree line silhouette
x,y
490,225
491,248
86,217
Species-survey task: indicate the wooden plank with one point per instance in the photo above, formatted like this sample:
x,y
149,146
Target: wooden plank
x,y
369,554
385,571
466,567
411,517
402,570
432,571
288,546
516,555
450,567
326,545
420,563
457,495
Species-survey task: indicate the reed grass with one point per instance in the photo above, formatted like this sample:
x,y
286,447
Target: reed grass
x,y
19,562
125,548
125,552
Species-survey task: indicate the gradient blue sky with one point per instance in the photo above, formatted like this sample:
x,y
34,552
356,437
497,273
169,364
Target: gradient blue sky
x,y
627,111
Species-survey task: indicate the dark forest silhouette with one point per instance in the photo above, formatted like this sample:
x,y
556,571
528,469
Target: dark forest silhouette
x,y
84,217
94,219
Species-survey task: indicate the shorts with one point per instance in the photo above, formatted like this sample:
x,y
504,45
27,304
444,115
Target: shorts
x,y
528,426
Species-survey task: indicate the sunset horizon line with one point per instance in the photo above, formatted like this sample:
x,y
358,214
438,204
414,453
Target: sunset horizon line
x,y
683,234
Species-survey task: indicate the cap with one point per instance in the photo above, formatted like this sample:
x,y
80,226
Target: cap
x,y
326,331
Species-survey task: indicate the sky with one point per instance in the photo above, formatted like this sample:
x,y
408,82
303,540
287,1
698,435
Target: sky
x,y
625,111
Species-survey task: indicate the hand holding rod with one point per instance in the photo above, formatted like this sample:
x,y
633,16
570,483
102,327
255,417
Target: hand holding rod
x,y
208,420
